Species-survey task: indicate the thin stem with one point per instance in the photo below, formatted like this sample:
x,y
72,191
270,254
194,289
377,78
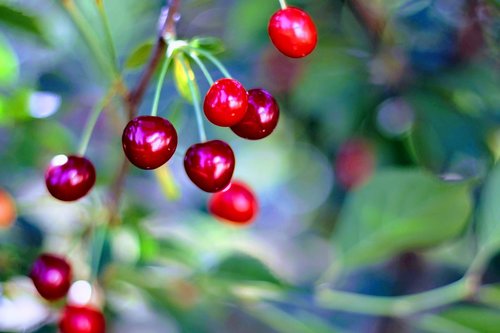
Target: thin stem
x,y
437,324
196,104
212,59
202,66
107,34
92,121
159,85
283,4
99,235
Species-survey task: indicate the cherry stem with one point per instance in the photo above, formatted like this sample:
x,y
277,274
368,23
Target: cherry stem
x,y
107,34
196,104
283,4
159,85
202,66
212,59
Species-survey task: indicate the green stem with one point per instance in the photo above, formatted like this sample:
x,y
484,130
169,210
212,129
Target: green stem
x,y
200,64
107,34
437,324
196,104
283,4
399,306
212,59
159,85
99,235
278,319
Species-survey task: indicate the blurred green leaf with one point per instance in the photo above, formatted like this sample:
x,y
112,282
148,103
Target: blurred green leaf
x,y
18,19
212,44
100,250
16,107
399,210
167,183
182,78
9,66
140,55
489,214
480,320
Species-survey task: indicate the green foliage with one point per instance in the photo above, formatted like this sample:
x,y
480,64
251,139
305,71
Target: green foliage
x,y
18,19
400,210
210,44
184,77
140,55
9,66
489,218
476,319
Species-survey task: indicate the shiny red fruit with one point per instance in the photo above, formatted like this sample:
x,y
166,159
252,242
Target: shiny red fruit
x,y
51,276
69,178
237,204
355,163
149,141
226,102
261,117
82,319
293,32
210,165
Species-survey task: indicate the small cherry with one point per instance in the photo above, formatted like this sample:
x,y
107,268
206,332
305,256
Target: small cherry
x,y
210,165
355,163
261,117
293,32
69,178
237,204
51,275
226,102
149,141
82,319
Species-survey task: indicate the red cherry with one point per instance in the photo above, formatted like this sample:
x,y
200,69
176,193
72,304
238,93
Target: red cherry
x,y
237,203
51,276
355,163
225,102
210,165
261,117
293,32
82,319
69,178
149,141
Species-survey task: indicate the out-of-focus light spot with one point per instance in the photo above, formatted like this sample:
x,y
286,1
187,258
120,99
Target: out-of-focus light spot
x,y
80,293
59,160
395,117
44,104
21,313
126,246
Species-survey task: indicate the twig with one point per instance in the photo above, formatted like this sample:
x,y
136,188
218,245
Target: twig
x,y
372,21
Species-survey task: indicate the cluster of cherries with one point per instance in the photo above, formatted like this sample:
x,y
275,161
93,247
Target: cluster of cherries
x,y
52,277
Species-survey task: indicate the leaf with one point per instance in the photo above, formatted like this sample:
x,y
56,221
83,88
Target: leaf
x,y
489,213
100,253
167,183
480,320
183,74
399,210
9,65
16,18
212,44
16,107
140,55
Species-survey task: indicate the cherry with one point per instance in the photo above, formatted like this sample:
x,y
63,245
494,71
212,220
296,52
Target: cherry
x,y
69,178
51,276
82,319
226,102
237,204
293,32
210,165
355,163
149,141
261,117
8,209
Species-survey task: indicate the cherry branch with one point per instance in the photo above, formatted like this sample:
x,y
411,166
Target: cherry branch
x,y
372,21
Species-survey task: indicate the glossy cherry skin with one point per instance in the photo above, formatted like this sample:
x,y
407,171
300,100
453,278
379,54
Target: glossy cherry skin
x,y
261,117
293,32
236,204
210,165
225,103
82,319
69,178
51,275
149,141
355,163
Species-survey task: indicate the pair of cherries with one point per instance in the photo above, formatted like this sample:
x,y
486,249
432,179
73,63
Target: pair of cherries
x,y
52,275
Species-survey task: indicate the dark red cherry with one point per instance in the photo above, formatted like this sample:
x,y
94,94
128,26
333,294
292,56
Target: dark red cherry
x,y
51,276
149,141
69,178
82,319
261,117
225,102
237,204
355,163
293,32
210,165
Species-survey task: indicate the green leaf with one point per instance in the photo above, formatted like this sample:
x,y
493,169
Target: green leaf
x,y
140,55
183,74
480,320
400,210
212,44
167,183
16,107
489,214
16,18
9,65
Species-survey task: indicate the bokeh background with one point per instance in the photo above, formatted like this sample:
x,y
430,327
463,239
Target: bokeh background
x,y
393,84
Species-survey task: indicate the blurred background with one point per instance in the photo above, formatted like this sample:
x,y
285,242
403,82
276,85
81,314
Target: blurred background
x,y
393,85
